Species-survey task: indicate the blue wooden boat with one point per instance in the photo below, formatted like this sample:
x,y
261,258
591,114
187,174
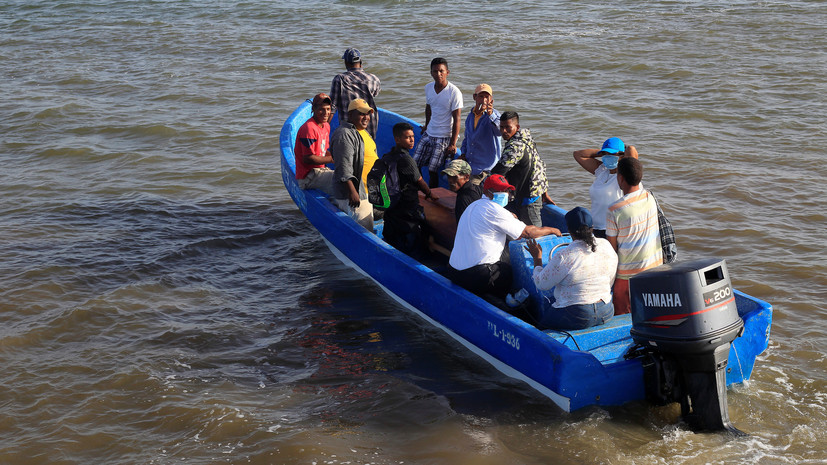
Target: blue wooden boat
x,y
574,369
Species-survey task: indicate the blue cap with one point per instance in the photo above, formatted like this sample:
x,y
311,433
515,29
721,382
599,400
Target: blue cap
x,y
577,217
613,145
352,56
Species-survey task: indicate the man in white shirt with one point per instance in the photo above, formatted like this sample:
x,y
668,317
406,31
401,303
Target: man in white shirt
x,y
475,262
442,112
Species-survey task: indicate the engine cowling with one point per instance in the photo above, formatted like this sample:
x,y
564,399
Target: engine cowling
x,y
685,317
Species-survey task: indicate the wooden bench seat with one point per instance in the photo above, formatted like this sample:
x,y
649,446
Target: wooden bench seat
x,y
440,218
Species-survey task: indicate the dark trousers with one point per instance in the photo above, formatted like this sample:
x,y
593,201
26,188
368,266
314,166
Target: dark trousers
x,y
492,278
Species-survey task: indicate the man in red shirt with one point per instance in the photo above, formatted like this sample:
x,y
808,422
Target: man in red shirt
x,y
312,148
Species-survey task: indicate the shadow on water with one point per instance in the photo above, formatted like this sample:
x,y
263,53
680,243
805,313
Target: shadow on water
x,y
378,363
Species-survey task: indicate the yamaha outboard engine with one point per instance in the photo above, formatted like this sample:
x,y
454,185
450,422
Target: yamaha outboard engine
x,y
684,315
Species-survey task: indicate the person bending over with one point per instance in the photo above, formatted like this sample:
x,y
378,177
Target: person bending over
x,y
475,263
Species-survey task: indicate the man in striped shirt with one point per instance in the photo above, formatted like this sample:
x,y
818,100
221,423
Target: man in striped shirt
x,y
632,229
352,84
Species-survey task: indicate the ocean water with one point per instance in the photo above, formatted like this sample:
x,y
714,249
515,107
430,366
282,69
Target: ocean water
x,y
163,301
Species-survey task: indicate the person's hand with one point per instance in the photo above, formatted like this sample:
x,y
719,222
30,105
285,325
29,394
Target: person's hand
x,y
535,250
547,198
432,197
354,201
451,150
422,129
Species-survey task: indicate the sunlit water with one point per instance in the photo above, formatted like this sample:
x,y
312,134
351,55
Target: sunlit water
x,y
163,301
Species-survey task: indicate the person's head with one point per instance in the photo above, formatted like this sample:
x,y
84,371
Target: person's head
x,y
322,108
580,225
497,188
439,71
403,135
457,173
352,58
629,173
509,124
483,95
359,113
611,152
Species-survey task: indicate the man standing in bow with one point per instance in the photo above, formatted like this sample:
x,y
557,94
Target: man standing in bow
x,y
355,83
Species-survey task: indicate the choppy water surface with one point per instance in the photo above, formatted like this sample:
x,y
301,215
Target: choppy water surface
x,y
164,302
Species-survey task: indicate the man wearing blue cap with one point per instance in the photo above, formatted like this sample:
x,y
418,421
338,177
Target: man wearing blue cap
x,y
352,84
605,190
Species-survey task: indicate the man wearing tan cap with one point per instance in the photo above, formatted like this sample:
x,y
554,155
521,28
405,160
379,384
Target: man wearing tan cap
x,y
312,148
482,143
348,146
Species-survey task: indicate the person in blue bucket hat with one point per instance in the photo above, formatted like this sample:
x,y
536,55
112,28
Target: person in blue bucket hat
x,y
581,274
604,191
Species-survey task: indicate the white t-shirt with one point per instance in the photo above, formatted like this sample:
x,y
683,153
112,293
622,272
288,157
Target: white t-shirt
x,y
442,105
604,192
481,234
578,275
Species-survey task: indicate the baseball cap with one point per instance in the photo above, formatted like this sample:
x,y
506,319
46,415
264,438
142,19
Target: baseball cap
x,y
577,217
457,167
484,88
613,145
352,56
361,105
320,99
497,183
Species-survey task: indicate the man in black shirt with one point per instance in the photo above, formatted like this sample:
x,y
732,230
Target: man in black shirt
x,y
458,173
404,218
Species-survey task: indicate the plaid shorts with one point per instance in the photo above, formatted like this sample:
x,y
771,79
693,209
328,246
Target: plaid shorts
x,y
430,152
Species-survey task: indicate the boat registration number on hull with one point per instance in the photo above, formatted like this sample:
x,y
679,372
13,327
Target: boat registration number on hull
x,y
504,336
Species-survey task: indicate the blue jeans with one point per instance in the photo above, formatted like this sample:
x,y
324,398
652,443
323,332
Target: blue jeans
x,y
575,316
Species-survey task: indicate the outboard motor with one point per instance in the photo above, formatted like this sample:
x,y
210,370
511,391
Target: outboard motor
x,y
684,315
